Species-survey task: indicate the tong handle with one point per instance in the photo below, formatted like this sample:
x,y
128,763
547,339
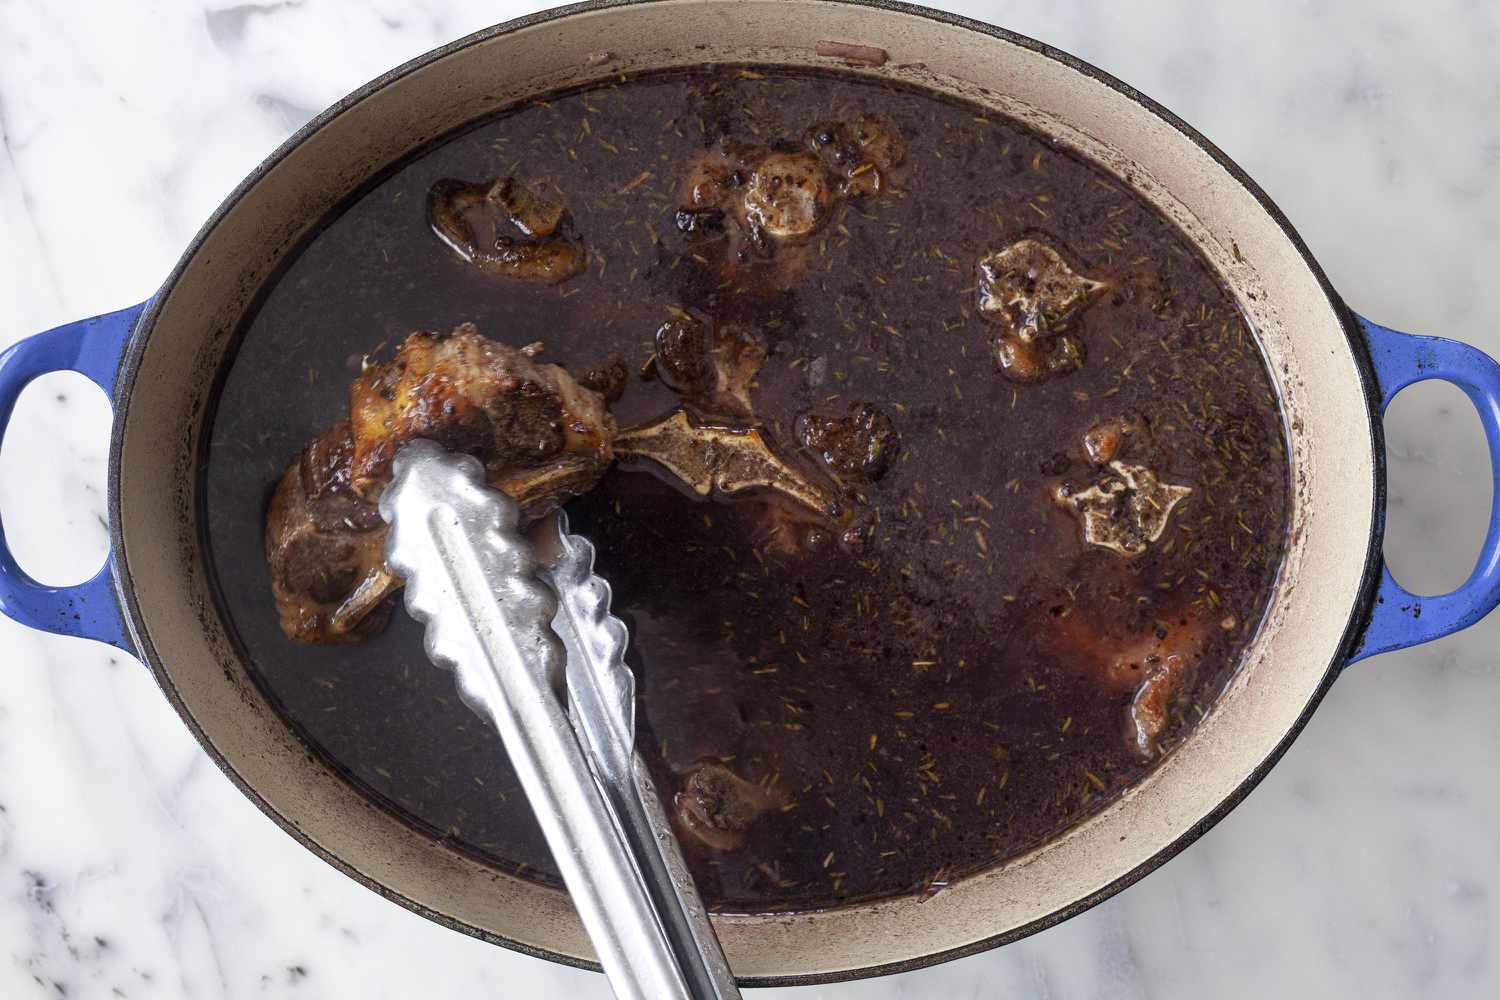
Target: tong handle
x,y
601,692
470,578
591,851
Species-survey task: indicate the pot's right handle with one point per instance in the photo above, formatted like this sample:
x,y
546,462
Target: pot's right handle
x,y
1401,618
93,348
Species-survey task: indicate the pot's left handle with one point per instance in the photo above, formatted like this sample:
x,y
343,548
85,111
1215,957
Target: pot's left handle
x,y
1401,618
91,347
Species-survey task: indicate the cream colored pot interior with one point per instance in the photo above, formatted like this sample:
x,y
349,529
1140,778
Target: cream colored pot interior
x,y
1331,438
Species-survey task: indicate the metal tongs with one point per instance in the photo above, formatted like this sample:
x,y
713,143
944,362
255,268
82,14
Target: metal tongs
x,y
526,628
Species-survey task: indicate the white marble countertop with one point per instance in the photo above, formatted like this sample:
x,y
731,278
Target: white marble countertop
x,y
1367,865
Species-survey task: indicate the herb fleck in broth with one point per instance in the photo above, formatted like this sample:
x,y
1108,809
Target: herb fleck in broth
x,y
951,682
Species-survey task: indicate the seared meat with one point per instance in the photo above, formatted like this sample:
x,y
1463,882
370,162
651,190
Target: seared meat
x,y
789,195
859,441
863,155
710,368
542,437
773,197
1156,665
1031,293
716,807
326,548
1153,667
713,446
1116,437
683,361
1030,288
1124,510
504,227
1037,360
608,380
1123,506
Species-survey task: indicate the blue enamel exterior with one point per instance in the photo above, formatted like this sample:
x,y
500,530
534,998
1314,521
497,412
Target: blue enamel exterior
x,y
1400,618
91,347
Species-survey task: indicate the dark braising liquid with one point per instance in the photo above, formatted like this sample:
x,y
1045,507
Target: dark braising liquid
x,y
917,707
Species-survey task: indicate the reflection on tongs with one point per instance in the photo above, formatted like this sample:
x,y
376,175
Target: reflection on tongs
x,y
527,631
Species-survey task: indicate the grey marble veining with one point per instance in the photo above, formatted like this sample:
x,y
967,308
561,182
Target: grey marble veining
x,y
1368,863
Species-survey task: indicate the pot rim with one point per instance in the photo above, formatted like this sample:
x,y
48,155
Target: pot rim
x,y
1358,616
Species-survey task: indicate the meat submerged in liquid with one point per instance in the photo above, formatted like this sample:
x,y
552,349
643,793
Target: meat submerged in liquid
x,y
1152,666
543,440
771,198
716,807
876,651
542,437
711,368
861,441
504,227
1030,293
326,548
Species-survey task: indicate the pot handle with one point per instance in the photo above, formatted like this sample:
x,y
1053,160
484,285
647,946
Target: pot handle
x,y
93,348
1400,618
